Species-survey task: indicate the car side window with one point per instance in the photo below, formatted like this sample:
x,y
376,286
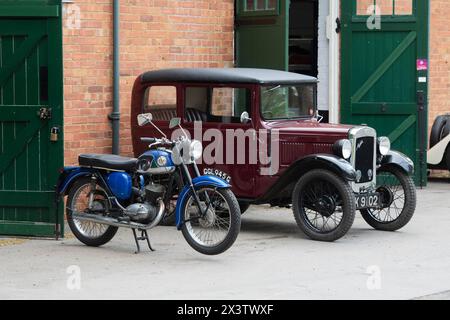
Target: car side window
x,y
161,101
216,104
227,104
196,104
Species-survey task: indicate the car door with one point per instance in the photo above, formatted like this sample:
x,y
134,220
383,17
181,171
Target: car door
x,y
212,115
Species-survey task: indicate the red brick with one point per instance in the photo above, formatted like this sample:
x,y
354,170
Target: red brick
x,y
154,34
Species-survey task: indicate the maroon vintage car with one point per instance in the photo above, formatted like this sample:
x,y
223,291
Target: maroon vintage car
x,y
261,131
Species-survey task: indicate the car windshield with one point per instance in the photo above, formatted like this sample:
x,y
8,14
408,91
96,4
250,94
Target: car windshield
x,y
288,102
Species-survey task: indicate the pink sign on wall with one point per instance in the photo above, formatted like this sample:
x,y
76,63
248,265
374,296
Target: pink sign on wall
x,y
422,64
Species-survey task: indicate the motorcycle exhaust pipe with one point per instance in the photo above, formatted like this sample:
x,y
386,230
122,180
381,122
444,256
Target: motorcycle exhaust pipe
x,y
121,224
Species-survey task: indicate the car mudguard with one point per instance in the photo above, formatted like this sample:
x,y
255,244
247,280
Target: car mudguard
x,y
330,162
198,182
398,159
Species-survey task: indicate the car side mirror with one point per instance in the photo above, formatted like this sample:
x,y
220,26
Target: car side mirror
x,y
174,122
245,117
318,116
144,118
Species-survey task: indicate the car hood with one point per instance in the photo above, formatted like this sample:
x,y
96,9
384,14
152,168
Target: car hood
x,y
309,128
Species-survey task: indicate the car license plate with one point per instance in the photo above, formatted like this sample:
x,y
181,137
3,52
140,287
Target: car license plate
x,y
369,200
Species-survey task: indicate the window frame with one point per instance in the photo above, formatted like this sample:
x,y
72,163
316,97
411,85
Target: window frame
x,y
211,87
242,12
306,117
386,17
145,97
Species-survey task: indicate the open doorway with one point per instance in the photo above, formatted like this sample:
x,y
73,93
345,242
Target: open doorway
x,y
303,37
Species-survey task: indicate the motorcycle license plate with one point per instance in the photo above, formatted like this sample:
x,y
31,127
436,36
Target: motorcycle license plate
x,y
369,200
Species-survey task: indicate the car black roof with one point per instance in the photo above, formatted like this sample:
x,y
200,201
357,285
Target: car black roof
x,y
225,76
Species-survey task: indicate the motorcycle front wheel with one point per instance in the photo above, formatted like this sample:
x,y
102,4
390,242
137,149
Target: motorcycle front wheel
x,y
214,231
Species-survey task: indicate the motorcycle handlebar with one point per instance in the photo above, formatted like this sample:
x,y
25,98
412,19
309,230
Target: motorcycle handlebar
x,y
148,140
160,141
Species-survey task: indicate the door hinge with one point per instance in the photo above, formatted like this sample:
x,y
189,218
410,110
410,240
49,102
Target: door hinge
x,y
45,113
338,25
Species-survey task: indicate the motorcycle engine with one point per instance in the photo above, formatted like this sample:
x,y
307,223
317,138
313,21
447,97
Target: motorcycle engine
x,y
153,192
146,212
141,212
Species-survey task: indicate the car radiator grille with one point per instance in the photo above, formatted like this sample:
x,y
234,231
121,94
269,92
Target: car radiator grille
x,y
364,158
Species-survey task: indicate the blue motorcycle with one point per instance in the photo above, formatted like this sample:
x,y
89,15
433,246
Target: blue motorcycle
x,y
107,192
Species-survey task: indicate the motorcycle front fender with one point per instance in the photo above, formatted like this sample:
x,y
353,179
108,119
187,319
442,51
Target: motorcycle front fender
x,y
198,182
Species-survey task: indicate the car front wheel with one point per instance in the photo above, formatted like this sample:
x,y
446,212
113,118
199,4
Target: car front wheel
x,y
324,205
399,200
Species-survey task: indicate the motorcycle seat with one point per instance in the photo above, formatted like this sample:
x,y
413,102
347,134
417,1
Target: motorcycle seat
x,y
107,161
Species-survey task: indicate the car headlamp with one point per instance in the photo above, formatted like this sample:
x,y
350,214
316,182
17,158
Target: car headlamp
x,y
384,145
343,148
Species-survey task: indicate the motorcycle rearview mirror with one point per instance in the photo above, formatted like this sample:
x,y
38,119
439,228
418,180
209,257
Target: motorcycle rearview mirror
x,y
245,117
174,122
144,118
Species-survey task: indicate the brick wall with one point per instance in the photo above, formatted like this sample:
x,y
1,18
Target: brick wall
x,y
439,90
154,34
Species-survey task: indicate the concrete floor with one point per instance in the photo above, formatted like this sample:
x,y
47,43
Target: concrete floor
x,y
270,260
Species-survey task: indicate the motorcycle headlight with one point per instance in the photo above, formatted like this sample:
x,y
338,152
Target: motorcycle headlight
x,y
384,145
343,148
195,149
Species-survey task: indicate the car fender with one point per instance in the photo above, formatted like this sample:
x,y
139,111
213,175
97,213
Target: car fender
x,y
330,162
198,182
398,159
437,153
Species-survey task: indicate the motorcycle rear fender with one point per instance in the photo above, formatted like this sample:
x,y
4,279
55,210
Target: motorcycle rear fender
x,y
68,177
198,182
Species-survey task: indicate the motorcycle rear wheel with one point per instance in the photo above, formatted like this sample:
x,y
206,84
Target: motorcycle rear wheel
x,y
90,233
218,229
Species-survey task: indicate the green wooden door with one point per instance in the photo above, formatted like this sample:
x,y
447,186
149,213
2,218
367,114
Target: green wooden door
x,y
384,72
31,104
262,32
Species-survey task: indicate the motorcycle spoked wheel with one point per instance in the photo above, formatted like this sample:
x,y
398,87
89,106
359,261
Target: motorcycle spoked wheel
x,y
218,229
90,233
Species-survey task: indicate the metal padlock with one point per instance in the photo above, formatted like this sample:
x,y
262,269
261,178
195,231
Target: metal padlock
x,y
54,132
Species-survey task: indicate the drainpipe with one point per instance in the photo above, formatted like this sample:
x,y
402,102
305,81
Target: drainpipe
x,y
115,115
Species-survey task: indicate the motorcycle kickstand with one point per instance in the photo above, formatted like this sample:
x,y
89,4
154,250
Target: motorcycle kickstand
x,y
144,236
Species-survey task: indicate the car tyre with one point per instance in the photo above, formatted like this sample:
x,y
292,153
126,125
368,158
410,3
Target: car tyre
x,y
338,189
440,129
408,199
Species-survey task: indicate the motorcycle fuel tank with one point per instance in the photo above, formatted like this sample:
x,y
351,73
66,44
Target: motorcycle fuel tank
x,y
120,184
156,162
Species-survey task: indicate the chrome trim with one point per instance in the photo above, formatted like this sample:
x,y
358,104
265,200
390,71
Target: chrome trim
x,y
354,134
121,224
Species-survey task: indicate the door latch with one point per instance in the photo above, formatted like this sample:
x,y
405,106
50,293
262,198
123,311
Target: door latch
x,y
45,113
54,133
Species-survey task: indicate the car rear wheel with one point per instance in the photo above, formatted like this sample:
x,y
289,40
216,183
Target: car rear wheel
x,y
323,205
